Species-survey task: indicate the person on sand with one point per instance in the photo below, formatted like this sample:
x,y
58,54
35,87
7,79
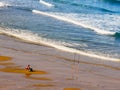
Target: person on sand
x,y
29,68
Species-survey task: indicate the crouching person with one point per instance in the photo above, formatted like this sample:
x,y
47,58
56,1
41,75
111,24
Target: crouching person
x,y
29,68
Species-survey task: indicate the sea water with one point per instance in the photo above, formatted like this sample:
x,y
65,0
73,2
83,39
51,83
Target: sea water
x,y
88,27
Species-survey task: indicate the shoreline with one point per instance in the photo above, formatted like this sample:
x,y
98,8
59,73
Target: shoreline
x,y
64,70
61,48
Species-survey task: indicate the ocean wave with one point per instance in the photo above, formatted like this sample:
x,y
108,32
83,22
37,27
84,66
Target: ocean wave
x,y
92,7
46,3
112,1
117,35
34,38
22,8
64,18
62,1
88,6
3,4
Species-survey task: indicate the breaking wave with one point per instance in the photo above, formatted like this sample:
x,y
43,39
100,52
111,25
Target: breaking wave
x,y
46,3
100,31
117,34
2,4
34,38
92,7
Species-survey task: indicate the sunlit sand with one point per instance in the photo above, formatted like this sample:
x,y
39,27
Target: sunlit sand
x,y
22,71
53,70
72,89
37,78
5,58
43,85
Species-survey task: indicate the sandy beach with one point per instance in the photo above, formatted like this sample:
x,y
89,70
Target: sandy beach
x,y
53,69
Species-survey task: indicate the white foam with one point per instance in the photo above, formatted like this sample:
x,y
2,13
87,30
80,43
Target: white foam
x,y
46,3
34,38
71,50
74,22
2,4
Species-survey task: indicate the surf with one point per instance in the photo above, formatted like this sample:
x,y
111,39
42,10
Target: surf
x,y
74,22
2,4
92,7
46,3
30,37
117,35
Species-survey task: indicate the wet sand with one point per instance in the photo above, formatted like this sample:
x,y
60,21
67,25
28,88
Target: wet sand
x,y
53,69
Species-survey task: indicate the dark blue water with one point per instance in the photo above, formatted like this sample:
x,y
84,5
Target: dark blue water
x,y
89,27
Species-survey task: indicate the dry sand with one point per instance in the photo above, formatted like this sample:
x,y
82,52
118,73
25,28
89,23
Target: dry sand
x,y
53,69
